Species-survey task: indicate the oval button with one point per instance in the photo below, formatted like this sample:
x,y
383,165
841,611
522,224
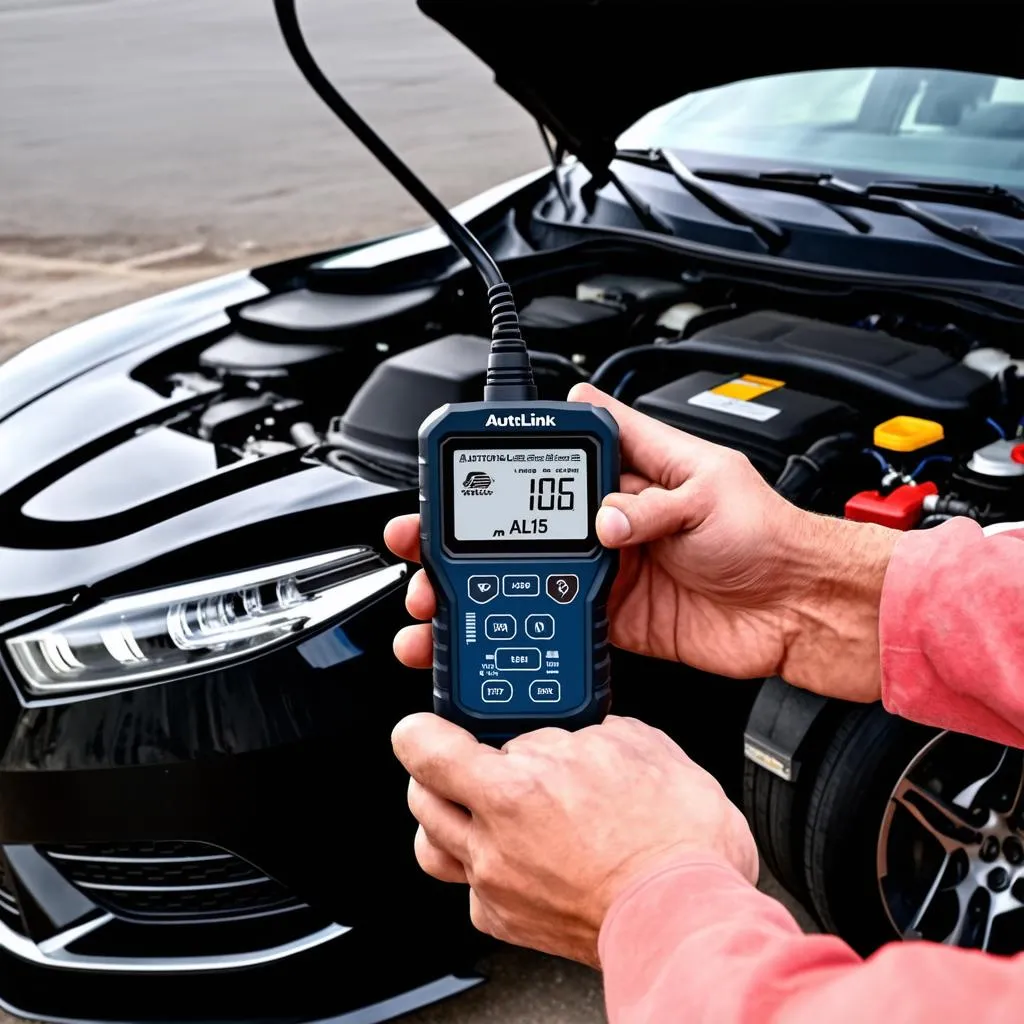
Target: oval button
x,y
545,691
500,627
518,659
496,691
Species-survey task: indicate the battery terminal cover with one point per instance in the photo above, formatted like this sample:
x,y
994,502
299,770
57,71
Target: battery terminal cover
x,y
901,509
907,434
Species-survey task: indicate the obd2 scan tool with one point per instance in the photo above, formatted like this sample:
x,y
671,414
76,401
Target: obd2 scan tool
x,y
509,488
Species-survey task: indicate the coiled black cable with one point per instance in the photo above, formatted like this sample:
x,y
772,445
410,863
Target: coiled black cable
x,y
509,374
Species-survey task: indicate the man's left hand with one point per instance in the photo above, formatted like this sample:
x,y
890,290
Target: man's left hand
x,y
551,828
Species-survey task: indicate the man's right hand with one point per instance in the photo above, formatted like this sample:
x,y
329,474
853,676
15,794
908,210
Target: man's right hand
x,y
717,571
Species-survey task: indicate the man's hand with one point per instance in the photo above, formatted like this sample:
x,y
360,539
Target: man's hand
x,y
550,829
717,570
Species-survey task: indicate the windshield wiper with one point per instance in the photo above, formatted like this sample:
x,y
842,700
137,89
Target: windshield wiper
x,y
771,236
823,185
993,198
644,212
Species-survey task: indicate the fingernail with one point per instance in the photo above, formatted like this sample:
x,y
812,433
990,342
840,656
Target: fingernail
x,y
612,525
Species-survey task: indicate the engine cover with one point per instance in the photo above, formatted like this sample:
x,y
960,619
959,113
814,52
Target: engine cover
x,y
879,373
765,419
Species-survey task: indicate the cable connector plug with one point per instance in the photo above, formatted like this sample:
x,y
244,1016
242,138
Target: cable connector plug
x,y
509,373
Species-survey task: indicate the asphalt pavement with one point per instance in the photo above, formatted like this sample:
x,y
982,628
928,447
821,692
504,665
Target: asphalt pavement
x,y
144,143
150,123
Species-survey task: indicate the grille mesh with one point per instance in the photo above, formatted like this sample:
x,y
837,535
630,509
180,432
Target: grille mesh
x,y
170,881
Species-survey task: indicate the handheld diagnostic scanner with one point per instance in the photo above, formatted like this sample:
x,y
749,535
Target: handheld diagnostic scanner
x,y
509,490
508,496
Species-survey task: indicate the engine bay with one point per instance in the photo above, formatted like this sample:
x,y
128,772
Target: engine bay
x,y
897,413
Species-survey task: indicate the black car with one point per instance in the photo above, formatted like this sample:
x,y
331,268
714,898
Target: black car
x,y
822,266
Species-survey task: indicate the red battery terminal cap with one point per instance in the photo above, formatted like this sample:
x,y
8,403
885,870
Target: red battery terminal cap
x,y
1017,454
901,509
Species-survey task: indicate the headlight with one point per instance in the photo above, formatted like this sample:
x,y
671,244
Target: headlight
x,y
195,626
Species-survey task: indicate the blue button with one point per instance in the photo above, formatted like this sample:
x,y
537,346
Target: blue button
x,y
518,659
496,691
520,586
500,627
540,627
545,691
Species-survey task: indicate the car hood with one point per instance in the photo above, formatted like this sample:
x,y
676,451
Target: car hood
x,y
589,70
95,480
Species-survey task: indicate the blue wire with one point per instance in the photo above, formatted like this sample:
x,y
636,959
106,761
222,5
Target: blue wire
x,y
622,383
996,427
930,458
878,457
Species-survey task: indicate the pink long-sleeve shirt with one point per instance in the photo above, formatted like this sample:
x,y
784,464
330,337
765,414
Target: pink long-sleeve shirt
x,y
696,943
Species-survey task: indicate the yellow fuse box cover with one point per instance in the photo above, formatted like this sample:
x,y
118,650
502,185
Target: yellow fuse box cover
x,y
747,387
907,434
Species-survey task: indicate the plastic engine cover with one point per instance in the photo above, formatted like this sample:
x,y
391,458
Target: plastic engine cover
x,y
879,373
775,422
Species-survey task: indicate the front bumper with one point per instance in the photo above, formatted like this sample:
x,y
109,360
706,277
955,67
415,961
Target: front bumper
x,y
362,983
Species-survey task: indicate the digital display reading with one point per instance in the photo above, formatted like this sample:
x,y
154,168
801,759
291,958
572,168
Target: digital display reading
x,y
520,494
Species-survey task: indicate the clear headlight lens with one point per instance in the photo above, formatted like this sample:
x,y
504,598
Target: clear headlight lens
x,y
194,626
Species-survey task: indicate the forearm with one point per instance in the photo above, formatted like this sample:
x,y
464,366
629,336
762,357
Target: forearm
x,y
836,570
696,942
931,622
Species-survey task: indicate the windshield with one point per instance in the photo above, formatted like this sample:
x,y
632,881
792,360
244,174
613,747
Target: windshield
x,y
901,122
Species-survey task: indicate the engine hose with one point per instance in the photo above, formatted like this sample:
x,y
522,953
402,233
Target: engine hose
x,y
802,476
304,435
553,363
950,507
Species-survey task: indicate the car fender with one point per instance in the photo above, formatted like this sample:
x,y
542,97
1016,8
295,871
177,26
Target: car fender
x,y
779,723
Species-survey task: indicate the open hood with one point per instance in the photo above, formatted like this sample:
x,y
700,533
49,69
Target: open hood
x,y
588,69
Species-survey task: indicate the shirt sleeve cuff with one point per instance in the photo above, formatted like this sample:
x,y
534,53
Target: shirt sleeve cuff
x,y
693,891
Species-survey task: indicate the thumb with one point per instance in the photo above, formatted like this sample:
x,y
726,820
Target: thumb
x,y
626,519
650,447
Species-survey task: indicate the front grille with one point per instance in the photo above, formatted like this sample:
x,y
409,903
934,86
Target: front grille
x,y
170,881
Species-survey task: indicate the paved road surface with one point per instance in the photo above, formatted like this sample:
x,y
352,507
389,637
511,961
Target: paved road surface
x,y
159,121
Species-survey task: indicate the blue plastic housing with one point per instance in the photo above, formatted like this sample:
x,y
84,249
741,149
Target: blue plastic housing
x,y
520,638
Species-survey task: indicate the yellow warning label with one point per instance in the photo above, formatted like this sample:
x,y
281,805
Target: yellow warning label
x,y
747,387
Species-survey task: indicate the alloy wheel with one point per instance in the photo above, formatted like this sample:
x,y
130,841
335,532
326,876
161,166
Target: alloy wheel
x,y
950,855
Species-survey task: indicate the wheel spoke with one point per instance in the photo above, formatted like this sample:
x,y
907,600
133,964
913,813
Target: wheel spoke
x,y
934,815
1004,783
974,923
1002,903
911,931
1016,810
953,938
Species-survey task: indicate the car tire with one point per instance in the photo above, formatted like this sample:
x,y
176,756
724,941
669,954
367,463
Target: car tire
x,y
775,811
866,757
